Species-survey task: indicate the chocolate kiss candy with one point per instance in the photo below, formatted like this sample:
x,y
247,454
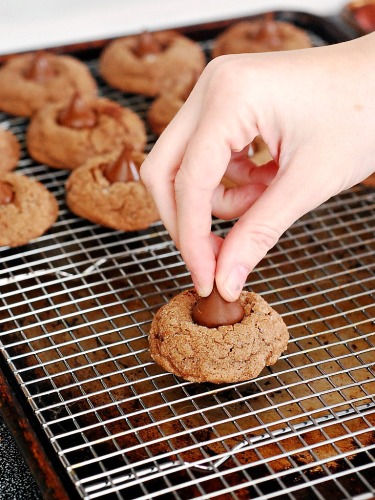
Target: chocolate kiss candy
x,y
213,311
78,114
269,30
123,169
147,45
6,193
365,16
39,69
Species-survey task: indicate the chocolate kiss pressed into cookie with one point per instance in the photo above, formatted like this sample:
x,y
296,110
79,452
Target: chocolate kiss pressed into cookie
x,y
147,45
6,193
123,169
269,30
213,311
78,114
40,69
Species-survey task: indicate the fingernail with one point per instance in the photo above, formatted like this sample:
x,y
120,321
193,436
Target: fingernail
x,y
201,290
235,280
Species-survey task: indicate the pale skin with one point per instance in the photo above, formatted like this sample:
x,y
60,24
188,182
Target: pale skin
x,y
315,109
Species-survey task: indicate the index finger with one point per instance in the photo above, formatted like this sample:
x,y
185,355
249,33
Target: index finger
x,y
200,173
159,169
205,161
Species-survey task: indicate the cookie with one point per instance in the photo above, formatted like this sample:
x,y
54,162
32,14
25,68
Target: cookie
x,y
260,35
151,63
27,209
108,191
229,353
260,152
165,107
369,181
9,151
30,81
162,111
66,136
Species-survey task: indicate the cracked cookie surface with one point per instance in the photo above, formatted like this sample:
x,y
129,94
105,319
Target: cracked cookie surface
x,y
151,74
220,355
27,209
125,206
162,111
243,37
23,96
9,150
60,146
369,181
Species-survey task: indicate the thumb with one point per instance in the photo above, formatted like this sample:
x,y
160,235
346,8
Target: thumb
x,y
259,229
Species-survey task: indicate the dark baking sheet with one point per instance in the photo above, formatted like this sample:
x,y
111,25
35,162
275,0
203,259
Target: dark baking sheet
x,y
50,472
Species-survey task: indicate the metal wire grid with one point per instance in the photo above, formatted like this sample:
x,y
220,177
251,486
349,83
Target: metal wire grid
x,y
76,306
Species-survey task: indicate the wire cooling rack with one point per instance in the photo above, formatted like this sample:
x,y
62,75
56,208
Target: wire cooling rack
x,y
75,310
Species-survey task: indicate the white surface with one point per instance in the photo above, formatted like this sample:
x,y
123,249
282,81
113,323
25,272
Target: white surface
x,y
35,24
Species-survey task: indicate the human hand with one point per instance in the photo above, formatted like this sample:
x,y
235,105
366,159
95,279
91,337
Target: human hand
x,y
314,108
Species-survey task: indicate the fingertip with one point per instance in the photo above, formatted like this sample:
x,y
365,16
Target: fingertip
x,y
230,285
202,288
201,262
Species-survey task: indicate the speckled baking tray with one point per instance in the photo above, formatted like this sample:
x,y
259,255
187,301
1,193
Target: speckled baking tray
x,y
97,418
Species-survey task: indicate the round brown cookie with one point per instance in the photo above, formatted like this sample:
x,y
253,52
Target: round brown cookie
x,y
165,107
161,112
220,355
260,35
30,81
163,61
261,154
369,181
101,126
93,192
27,209
9,151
